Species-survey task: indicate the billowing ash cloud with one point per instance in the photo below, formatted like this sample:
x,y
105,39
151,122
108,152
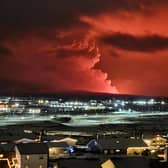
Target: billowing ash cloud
x,y
53,62
148,43
134,47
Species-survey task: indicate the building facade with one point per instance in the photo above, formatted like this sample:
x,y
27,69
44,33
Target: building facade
x,y
31,155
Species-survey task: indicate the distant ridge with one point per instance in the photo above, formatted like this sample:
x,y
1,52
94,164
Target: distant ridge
x,y
82,95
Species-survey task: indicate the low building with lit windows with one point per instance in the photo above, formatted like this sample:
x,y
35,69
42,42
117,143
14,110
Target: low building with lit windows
x,y
31,155
130,162
121,146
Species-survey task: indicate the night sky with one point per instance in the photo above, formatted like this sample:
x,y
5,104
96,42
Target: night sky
x,y
113,46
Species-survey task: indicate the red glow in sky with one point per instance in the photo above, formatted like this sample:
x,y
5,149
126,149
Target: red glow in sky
x,y
50,47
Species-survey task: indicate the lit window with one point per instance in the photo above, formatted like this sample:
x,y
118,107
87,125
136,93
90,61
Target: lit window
x,y
27,157
41,166
55,166
105,152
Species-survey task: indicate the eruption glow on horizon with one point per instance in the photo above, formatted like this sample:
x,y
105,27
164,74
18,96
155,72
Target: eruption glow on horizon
x,y
57,62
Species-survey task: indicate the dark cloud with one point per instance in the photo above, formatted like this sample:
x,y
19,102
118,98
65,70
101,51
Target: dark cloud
x,y
75,51
4,51
23,13
20,16
71,53
148,43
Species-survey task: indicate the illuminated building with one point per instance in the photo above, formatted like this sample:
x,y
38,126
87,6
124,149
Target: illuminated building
x,y
31,155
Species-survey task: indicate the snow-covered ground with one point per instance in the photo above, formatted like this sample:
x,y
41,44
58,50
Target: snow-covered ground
x,y
84,120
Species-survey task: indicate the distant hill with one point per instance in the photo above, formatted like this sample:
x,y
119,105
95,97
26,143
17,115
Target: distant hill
x,y
83,95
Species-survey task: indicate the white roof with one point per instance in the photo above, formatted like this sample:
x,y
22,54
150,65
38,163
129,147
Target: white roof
x,y
24,140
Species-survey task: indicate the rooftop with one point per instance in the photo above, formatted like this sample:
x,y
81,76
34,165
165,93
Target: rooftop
x,y
32,148
120,143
